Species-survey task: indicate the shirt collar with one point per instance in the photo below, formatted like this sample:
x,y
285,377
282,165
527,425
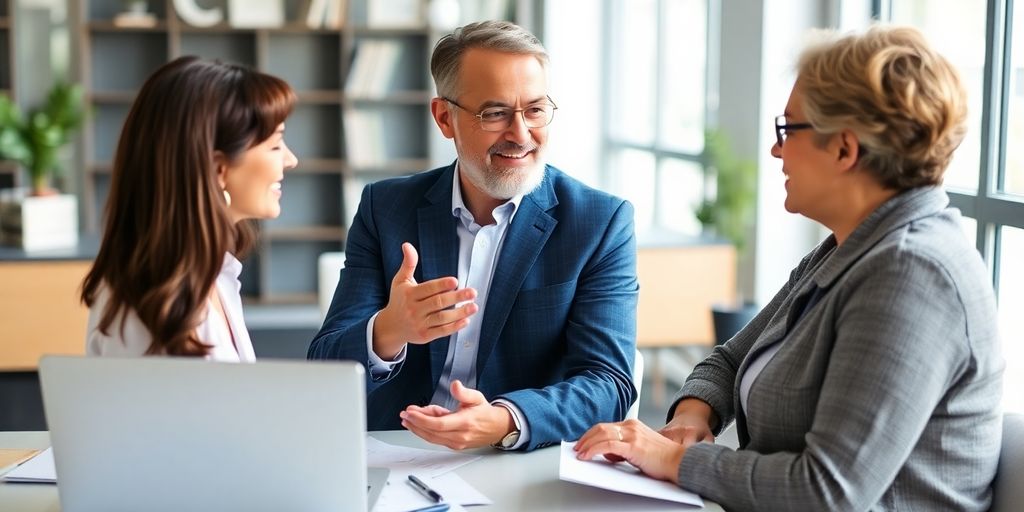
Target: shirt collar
x,y
232,267
502,214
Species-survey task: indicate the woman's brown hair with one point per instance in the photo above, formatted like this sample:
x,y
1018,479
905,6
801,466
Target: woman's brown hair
x,y
166,226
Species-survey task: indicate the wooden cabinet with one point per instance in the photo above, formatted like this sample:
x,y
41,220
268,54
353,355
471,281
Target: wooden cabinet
x,y
678,286
40,311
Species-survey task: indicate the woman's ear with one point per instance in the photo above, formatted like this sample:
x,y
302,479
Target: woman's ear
x,y
849,150
220,160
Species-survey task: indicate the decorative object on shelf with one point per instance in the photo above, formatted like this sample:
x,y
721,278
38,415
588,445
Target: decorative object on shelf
x,y
192,14
443,14
136,14
256,13
37,223
394,14
39,218
34,141
730,215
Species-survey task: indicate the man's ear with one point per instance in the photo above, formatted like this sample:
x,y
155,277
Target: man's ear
x,y
848,150
220,160
443,117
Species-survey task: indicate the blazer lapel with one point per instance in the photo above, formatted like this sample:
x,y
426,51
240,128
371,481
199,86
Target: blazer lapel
x,y
530,229
438,250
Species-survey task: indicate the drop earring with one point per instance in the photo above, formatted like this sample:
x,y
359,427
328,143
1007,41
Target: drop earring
x,y
227,197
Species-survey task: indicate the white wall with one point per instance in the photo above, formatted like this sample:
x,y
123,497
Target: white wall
x,y
572,36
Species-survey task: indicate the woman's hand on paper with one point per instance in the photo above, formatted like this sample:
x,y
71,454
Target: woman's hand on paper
x,y
636,443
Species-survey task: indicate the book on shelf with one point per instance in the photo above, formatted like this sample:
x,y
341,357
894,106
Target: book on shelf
x,y
373,68
256,13
353,192
326,13
395,13
478,10
364,137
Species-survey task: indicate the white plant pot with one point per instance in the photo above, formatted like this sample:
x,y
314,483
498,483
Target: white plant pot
x,y
38,223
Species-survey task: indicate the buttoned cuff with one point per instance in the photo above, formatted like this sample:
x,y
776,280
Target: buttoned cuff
x,y
379,368
519,420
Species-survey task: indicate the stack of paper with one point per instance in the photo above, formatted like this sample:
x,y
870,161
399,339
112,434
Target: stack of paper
x,y
38,469
432,466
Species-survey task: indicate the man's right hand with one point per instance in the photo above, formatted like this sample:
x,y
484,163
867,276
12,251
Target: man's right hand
x,y
691,423
420,312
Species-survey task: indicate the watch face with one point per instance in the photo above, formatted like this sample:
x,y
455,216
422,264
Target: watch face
x,y
510,440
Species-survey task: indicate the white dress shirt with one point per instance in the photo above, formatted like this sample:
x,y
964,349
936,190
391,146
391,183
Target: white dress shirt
x,y
479,249
134,339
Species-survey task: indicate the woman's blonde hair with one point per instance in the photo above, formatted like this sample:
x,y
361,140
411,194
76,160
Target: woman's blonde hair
x,y
904,101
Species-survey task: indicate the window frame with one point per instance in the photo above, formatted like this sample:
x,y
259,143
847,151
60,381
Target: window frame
x,y
990,207
611,144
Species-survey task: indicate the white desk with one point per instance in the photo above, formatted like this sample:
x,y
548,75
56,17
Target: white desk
x,y
514,481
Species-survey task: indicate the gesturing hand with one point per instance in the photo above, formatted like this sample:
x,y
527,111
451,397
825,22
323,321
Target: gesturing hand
x,y
477,423
420,312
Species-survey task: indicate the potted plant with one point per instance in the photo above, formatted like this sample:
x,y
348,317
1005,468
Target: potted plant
x,y
728,212
40,217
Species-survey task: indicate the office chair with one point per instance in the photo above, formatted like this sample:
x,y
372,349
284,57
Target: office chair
x,y
1008,492
638,382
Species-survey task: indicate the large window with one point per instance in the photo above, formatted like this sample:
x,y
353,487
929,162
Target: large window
x,y
985,40
656,108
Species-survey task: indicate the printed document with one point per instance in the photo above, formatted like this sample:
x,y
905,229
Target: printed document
x,y
620,477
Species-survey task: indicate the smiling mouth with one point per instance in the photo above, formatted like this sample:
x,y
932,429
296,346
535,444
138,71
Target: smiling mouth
x,y
513,156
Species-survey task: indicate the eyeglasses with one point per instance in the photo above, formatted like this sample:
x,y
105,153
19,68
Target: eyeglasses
x,y
497,119
782,129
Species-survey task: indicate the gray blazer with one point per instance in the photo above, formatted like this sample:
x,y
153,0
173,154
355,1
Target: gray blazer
x,y
885,393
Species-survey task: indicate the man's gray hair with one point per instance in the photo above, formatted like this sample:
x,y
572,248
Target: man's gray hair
x,y
502,36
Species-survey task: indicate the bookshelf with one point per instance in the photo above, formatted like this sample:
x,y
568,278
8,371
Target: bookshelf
x,y
344,136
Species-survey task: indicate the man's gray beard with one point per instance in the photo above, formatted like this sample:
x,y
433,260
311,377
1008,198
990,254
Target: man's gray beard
x,y
507,183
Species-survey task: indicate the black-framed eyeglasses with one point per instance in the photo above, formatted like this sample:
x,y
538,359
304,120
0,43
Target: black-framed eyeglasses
x,y
497,119
782,129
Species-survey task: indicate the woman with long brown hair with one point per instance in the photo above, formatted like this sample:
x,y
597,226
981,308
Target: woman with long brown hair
x,y
202,151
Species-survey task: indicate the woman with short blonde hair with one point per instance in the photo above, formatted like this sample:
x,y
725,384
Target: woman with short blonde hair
x,y
872,380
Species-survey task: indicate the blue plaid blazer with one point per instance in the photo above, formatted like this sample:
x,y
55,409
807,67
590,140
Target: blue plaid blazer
x,y
559,329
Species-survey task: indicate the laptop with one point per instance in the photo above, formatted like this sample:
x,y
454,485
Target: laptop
x,y
189,434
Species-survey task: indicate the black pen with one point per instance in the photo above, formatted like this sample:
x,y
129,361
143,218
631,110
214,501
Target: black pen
x,y
424,489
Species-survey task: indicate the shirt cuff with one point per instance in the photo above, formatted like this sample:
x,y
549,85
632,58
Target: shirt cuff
x,y
519,420
378,367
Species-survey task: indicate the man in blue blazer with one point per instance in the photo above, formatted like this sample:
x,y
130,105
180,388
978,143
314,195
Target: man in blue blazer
x,y
493,301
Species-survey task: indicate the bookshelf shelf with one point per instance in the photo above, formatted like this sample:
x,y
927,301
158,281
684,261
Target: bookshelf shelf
x,y
390,32
110,26
325,233
393,98
112,97
341,111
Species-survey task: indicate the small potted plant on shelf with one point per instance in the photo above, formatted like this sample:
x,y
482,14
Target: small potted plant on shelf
x,y
39,217
728,212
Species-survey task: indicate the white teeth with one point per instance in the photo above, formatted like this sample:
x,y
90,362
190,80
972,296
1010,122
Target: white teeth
x,y
276,186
